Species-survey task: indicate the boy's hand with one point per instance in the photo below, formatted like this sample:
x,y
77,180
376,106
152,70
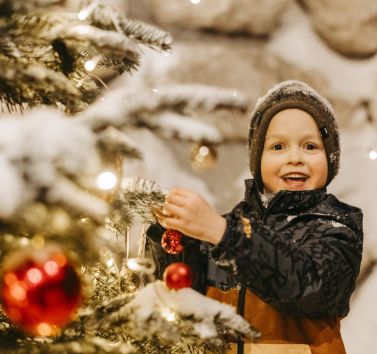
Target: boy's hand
x,y
189,213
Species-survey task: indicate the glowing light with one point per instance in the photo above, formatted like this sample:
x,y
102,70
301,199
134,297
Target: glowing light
x,y
203,151
106,180
51,268
141,264
18,292
10,278
90,65
44,329
168,314
60,259
110,263
373,155
34,275
38,242
195,2
83,14
24,241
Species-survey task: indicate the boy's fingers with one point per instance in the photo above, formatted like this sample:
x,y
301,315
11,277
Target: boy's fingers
x,y
172,210
171,223
158,212
178,191
174,198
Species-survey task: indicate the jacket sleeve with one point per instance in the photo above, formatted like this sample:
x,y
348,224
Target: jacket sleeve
x,y
194,255
313,276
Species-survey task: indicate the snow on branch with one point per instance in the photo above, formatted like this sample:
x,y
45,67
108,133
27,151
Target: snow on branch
x,y
47,86
108,18
48,155
152,319
113,141
179,318
173,111
54,39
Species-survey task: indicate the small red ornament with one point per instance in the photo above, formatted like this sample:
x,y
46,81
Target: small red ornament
x,y
177,276
171,241
40,290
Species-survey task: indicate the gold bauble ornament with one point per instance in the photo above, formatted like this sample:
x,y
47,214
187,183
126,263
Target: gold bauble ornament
x,y
203,157
129,282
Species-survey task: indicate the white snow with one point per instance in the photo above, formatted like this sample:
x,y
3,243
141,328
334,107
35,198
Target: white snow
x,y
184,302
40,150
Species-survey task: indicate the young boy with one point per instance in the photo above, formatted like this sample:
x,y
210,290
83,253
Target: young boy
x,y
289,254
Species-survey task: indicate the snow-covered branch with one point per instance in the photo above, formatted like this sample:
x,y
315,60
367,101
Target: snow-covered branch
x,y
179,318
41,42
173,111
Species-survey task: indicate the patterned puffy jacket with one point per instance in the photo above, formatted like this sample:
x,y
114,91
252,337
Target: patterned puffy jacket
x,y
300,255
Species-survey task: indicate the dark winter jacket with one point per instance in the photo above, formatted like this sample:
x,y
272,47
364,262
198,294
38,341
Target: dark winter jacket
x,y
300,255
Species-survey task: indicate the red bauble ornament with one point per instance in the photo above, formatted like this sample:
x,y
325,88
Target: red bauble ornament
x,y
171,241
177,276
40,290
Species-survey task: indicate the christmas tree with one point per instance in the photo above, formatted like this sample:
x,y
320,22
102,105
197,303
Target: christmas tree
x,y
63,287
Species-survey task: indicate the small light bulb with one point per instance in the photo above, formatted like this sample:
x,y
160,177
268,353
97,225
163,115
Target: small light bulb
x,y
34,275
373,155
83,14
140,264
195,2
168,314
106,180
90,65
51,268
203,151
44,329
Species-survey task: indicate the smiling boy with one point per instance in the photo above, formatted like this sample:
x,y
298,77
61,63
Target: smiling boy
x,y
294,156
288,255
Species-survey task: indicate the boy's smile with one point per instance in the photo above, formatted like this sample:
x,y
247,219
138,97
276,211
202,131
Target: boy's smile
x,y
294,157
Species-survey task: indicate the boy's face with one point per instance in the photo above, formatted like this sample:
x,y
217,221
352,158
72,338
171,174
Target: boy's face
x,y
294,157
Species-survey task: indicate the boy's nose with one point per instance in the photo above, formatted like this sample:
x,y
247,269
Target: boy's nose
x,y
295,156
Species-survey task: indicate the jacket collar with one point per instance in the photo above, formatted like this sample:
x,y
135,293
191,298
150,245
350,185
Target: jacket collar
x,y
284,200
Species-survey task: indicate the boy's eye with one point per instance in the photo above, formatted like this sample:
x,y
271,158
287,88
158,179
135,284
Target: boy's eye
x,y
311,146
277,147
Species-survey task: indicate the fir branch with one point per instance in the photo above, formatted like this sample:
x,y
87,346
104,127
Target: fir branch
x,y
87,345
110,19
58,41
181,127
55,176
169,318
160,109
34,84
140,196
106,41
113,141
8,47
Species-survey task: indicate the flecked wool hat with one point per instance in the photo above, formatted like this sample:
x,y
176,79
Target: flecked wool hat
x,y
293,94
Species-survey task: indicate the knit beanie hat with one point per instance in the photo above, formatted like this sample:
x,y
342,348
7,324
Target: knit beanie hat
x,y
286,95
